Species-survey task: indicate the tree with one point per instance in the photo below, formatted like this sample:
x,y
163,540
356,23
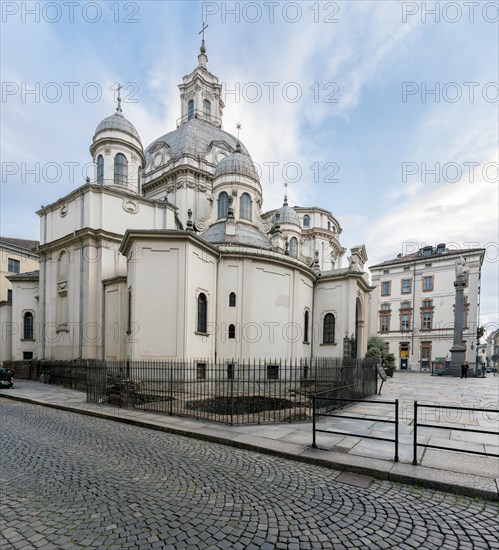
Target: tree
x,y
376,348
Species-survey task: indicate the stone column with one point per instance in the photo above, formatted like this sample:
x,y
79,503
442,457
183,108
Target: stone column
x,y
458,349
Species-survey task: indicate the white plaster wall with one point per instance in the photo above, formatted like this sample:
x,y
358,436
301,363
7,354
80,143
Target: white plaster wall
x,y
6,331
24,300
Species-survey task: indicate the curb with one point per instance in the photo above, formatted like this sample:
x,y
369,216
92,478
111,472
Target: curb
x,y
405,478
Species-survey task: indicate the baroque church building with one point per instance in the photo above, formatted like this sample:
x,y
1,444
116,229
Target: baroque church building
x,y
167,253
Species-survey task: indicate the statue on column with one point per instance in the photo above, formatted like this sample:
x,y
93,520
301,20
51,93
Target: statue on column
x,y
460,267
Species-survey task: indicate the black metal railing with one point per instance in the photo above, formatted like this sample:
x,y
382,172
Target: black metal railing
x,y
441,447
232,392
329,402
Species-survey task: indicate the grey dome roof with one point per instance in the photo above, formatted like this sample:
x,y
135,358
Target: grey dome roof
x,y
195,137
246,235
118,122
286,214
236,163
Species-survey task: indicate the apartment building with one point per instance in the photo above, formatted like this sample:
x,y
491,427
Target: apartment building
x,y
412,306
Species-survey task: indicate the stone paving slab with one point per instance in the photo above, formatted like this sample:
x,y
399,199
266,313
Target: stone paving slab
x,y
341,450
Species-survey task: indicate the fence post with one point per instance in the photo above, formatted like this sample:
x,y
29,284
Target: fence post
x,y
415,444
314,446
396,430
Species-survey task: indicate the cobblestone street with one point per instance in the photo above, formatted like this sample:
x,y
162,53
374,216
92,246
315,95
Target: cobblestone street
x,y
72,481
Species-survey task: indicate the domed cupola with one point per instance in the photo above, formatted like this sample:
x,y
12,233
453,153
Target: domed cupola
x,y
286,221
117,152
236,163
235,176
286,215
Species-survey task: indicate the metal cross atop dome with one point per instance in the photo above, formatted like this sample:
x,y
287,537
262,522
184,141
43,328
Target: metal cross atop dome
x,y
238,128
118,108
286,194
205,26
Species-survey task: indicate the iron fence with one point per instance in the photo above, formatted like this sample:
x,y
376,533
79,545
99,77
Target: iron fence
x,y
418,425
233,392
328,403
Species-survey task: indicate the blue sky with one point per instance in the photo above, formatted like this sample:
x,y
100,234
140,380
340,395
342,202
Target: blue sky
x,y
339,72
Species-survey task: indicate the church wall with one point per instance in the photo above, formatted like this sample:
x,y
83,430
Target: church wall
x,y
115,320
201,273
269,312
331,297
98,208
7,329
165,278
24,298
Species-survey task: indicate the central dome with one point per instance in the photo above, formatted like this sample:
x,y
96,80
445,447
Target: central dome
x,y
195,137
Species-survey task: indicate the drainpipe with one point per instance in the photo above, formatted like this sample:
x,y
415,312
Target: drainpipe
x,y
44,289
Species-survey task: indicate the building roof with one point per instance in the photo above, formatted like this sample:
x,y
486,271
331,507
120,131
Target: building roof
x,y
28,276
246,235
236,163
25,244
435,252
196,137
118,122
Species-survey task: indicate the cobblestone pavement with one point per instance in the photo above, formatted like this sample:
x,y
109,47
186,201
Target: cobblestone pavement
x,y
69,481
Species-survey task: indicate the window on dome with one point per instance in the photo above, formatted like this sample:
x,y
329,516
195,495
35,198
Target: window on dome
x,y
232,331
245,207
305,328
223,205
207,108
190,109
100,169
306,220
120,169
328,329
293,247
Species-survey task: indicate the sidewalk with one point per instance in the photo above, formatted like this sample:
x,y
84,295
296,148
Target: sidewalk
x,y
455,472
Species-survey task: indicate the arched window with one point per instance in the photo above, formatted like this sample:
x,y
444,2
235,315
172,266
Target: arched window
x,y
305,325
100,169
207,108
293,247
223,204
245,207
120,169
232,299
202,313
190,109
28,326
328,329
306,220
232,331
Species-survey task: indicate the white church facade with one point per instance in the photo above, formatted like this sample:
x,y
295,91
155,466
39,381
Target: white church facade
x,y
167,253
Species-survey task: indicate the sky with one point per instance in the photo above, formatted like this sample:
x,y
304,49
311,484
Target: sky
x,y
383,112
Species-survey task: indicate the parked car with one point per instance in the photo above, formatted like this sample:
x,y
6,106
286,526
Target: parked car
x,y
6,378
